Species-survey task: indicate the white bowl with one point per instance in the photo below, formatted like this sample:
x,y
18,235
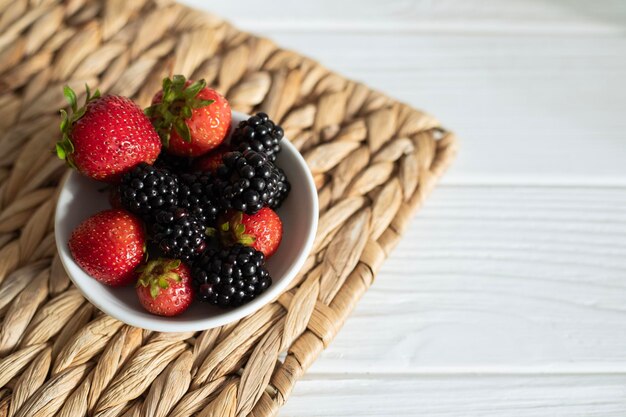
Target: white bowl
x,y
82,197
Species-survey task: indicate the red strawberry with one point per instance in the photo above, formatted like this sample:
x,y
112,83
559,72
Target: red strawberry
x,y
107,137
191,118
211,161
262,230
164,287
109,246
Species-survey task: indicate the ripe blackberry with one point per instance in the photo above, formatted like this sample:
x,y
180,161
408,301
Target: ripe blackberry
x,y
260,134
282,187
146,189
196,195
178,234
230,277
247,181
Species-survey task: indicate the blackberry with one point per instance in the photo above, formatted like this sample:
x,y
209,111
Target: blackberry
x,y
196,195
178,234
282,187
260,134
230,277
146,189
247,182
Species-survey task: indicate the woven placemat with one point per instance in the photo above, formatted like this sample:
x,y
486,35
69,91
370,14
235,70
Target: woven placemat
x,y
374,161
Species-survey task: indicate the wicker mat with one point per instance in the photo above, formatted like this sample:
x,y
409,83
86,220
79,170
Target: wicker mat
x,y
374,161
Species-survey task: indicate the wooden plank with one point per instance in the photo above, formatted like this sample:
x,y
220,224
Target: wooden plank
x,y
497,279
422,15
528,110
463,395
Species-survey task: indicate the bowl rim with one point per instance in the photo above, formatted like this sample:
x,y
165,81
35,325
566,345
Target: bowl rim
x,y
160,323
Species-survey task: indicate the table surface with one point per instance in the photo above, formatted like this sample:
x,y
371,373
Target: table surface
x,y
507,296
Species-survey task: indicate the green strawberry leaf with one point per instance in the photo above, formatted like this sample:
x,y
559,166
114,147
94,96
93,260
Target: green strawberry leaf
x,y
88,90
70,96
90,97
247,240
169,96
167,84
163,283
193,89
178,82
165,139
64,121
151,110
79,113
69,146
197,104
60,151
173,264
182,129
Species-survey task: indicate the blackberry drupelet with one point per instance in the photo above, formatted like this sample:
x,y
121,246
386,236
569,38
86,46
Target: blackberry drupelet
x,y
230,277
196,195
146,189
260,134
178,234
245,182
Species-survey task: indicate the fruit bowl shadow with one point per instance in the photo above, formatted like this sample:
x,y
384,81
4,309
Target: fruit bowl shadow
x,y
81,197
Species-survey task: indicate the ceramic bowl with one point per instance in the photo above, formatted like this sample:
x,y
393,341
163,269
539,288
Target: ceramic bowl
x,y
82,197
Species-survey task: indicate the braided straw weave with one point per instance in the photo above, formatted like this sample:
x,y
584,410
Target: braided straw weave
x,y
374,161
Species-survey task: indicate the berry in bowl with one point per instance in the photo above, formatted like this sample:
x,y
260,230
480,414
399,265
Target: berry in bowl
x,y
182,217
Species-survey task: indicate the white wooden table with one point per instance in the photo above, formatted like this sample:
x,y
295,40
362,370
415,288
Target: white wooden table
x,y
507,296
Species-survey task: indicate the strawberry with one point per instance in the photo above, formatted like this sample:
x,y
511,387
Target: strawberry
x,y
262,230
211,161
164,287
191,118
109,246
107,137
